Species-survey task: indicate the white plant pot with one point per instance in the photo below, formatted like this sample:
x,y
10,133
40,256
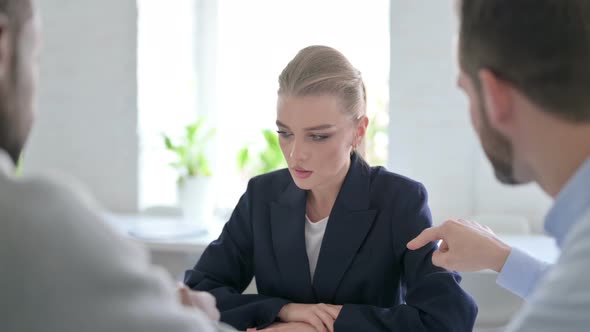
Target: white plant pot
x,y
196,200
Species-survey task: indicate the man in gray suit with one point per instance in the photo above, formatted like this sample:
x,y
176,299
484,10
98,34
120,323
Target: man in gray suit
x,y
61,268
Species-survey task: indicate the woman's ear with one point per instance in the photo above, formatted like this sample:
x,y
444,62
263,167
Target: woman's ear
x,y
360,130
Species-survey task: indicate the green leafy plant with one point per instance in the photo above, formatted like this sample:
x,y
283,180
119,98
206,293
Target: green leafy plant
x,y
18,172
189,150
253,162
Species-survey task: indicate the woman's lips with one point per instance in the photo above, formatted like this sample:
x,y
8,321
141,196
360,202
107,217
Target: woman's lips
x,y
302,173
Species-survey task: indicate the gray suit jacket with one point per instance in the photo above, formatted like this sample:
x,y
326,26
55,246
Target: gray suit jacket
x,y
63,269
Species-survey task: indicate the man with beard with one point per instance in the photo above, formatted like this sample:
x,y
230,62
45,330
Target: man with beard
x,y
525,67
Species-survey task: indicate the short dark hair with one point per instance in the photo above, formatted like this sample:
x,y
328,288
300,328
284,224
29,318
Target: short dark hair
x,y
542,47
17,11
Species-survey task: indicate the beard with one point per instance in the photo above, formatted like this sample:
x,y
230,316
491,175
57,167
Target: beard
x,y
502,170
498,150
11,140
16,116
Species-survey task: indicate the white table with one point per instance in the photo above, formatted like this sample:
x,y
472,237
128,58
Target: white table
x,y
176,254
539,246
165,233
496,304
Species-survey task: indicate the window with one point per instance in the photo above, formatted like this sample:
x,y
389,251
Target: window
x,y
222,59
167,85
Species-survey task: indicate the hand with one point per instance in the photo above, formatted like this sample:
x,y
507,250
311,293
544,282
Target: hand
x,y
321,316
466,246
202,301
288,327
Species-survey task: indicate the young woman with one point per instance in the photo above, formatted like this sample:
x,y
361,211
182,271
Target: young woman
x,y
326,237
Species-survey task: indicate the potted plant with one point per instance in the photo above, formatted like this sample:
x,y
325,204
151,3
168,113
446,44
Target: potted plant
x,y
194,180
252,161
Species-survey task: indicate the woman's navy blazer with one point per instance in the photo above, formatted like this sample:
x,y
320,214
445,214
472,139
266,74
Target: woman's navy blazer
x,y
363,264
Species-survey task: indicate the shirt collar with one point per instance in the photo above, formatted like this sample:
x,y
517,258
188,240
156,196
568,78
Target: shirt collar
x,y
571,203
6,164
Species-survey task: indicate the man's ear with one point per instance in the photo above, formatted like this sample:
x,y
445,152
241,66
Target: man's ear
x,y
6,46
497,98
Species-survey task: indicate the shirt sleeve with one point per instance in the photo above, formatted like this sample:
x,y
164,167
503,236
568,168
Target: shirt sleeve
x,y
521,273
561,302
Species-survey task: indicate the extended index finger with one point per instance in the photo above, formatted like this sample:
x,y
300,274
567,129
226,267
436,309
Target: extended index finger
x,y
428,235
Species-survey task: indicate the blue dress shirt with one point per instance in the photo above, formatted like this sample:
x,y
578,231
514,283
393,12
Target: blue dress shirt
x,y
521,272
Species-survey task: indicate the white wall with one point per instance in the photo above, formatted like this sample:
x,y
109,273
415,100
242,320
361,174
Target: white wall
x,y
87,121
87,115
431,138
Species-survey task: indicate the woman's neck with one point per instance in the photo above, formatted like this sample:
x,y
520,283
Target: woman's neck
x,y
320,200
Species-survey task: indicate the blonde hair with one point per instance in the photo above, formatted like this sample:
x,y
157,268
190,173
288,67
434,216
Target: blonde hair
x,y
322,70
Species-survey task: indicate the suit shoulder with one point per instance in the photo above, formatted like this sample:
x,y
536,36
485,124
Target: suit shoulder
x,y
272,182
385,180
45,216
49,205
26,193
59,189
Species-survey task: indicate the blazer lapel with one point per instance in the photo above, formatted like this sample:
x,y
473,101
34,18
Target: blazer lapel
x,y
349,223
288,237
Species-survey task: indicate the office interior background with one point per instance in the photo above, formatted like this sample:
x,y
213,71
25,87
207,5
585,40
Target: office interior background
x,y
117,74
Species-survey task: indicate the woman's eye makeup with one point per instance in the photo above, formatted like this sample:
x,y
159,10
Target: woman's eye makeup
x,y
319,137
313,137
283,133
